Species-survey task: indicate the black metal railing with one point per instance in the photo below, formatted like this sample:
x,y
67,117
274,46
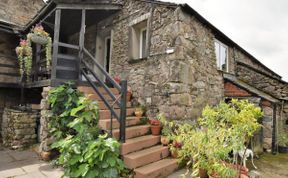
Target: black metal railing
x,y
122,89
95,81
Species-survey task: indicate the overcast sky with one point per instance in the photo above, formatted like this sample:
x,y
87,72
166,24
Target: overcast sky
x,y
258,26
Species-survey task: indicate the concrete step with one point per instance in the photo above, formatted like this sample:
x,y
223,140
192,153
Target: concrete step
x,y
146,156
130,121
132,132
102,106
90,90
159,169
138,143
106,114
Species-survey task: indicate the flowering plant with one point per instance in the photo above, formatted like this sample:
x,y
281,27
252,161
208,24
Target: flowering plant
x,y
155,122
46,40
24,54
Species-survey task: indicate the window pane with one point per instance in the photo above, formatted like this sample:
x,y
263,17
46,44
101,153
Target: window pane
x,y
217,52
223,54
143,43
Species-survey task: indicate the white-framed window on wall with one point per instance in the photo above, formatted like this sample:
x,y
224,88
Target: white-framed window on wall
x,y
221,51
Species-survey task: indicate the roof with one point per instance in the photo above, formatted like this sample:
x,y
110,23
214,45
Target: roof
x,y
249,88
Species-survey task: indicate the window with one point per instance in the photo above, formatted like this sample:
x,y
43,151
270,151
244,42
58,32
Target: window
x,y
142,44
221,51
138,40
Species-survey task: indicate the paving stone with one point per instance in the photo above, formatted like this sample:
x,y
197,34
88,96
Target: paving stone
x,y
35,174
23,155
5,158
11,172
49,171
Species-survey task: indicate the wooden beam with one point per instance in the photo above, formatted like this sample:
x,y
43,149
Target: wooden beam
x,y
55,43
90,6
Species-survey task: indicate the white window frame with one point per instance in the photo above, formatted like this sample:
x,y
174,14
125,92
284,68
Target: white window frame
x,y
141,41
227,55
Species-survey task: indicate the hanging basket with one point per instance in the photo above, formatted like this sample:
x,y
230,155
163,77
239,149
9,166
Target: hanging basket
x,y
38,39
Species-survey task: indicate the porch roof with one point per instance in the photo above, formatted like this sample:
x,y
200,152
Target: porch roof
x,y
249,88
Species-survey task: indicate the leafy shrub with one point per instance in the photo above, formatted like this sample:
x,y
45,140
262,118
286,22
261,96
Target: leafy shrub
x,y
62,100
84,153
222,129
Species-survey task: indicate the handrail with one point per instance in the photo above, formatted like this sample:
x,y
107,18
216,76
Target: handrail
x,y
122,88
100,82
100,95
116,85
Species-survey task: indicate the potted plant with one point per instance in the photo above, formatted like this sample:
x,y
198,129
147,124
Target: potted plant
x,y
155,126
139,111
117,79
165,135
40,36
24,54
282,142
129,94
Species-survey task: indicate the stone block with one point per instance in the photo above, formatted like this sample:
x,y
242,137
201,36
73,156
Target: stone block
x,y
181,99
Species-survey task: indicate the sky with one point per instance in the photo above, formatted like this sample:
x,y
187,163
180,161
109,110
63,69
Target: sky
x,y
258,26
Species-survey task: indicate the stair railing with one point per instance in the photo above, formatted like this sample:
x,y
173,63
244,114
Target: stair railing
x,y
122,89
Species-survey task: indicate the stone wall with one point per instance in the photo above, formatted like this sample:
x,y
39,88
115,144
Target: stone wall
x,y
19,12
45,137
18,128
8,97
270,85
179,84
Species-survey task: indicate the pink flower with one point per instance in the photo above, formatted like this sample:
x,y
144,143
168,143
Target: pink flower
x,y
23,42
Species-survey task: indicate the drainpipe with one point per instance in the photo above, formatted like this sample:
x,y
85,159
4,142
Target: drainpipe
x,y
274,141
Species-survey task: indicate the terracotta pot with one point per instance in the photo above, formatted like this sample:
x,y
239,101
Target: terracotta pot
x,y
155,129
138,113
174,154
46,155
165,140
129,96
203,173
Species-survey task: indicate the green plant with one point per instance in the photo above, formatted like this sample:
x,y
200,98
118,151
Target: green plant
x,y
62,100
282,139
74,122
38,30
222,129
24,54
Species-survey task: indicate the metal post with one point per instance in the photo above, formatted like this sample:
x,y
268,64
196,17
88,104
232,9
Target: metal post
x,y
81,42
123,111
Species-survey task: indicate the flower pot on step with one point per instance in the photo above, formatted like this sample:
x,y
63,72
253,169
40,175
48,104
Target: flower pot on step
x,y
174,154
155,129
203,173
138,113
165,140
46,155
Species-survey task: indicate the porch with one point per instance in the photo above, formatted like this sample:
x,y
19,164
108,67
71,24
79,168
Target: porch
x,y
74,52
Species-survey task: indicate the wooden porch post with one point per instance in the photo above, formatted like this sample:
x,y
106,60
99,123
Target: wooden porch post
x,y
55,43
81,41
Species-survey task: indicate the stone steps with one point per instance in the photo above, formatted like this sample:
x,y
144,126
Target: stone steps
x,y
146,156
141,150
134,131
159,169
130,121
106,114
138,143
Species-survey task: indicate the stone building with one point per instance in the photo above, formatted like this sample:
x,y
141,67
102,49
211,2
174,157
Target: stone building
x,y
174,60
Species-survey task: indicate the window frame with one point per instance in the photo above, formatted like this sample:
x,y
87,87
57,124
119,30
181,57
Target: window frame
x,y
221,44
